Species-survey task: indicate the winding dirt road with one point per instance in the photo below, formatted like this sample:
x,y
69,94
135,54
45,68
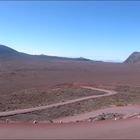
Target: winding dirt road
x,y
22,111
121,129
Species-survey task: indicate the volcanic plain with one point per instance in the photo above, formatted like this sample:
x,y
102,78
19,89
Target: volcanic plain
x,y
56,89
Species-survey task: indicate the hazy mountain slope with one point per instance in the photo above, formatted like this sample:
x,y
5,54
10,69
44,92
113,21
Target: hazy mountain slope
x,y
4,50
133,58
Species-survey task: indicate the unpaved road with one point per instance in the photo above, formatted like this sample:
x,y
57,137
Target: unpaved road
x,y
128,110
121,129
22,111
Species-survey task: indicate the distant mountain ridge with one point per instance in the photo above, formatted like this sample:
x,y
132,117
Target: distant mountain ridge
x,y
4,50
9,53
134,58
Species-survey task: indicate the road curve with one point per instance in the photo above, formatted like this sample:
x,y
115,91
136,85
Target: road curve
x,y
22,111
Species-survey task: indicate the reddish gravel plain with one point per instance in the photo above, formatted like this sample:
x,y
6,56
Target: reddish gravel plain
x,y
19,75
15,76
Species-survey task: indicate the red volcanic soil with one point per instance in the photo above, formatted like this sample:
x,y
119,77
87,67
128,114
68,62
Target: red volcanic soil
x,y
121,129
16,76
20,71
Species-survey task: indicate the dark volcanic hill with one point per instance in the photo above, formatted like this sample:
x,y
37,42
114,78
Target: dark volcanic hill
x,y
7,53
134,58
6,50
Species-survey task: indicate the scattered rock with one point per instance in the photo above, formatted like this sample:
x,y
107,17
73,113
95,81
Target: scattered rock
x,y
106,116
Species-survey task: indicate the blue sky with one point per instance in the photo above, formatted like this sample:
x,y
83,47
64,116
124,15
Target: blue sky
x,y
99,30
